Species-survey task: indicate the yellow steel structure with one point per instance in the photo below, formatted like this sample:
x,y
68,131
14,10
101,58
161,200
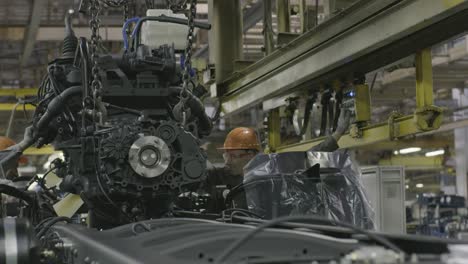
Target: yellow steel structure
x,y
18,93
452,3
426,117
414,162
274,127
10,106
424,90
45,150
362,103
422,142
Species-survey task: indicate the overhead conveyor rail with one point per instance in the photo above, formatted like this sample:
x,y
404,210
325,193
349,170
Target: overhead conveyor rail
x,y
368,35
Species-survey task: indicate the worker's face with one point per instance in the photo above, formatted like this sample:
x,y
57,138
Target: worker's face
x,y
236,159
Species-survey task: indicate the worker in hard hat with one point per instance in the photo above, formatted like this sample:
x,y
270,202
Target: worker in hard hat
x,y
242,144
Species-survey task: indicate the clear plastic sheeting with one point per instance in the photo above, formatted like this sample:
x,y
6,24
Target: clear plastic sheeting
x,y
303,183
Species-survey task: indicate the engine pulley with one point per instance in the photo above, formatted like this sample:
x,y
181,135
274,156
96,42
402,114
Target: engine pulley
x,y
149,156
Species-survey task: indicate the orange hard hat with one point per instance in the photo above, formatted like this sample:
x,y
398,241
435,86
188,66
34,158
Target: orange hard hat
x,y
242,138
6,142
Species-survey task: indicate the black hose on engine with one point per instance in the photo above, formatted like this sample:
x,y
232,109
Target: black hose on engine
x,y
197,109
56,106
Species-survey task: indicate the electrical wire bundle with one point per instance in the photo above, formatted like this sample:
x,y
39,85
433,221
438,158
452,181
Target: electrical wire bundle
x,y
288,221
44,226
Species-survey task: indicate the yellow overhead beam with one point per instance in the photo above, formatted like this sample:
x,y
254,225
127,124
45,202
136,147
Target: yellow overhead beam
x,y
422,142
414,161
45,150
401,127
426,117
452,3
18,93
10,106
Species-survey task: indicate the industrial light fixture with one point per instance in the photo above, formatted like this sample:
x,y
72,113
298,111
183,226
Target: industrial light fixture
x,y
71,11
395,152
407,186
419,185
409,150
435,153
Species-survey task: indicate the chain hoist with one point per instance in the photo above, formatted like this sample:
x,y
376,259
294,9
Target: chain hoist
x,y
188,49
115,3
187,63
177,6
94,23
125,11
149,4
126,15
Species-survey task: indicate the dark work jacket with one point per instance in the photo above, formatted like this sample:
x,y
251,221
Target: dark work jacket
x,y
220,179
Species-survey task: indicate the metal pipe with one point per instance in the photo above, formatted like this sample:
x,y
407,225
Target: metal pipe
x,y
267,28
228,38
205,125
56,106
282,13
27,141
303,15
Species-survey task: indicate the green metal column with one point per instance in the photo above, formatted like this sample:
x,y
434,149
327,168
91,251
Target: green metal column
x,y
268,40
274,127
282,13
427,116
227,31
303,15
211,36
424,86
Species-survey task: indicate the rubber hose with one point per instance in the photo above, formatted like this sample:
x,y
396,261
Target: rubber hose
x,y
56,105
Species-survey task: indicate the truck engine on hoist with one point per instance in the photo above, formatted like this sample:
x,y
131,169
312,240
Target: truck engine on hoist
x,y
129,127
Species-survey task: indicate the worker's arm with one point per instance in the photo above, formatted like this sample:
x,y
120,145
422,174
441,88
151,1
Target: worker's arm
x,y
330,144
218,180
220,176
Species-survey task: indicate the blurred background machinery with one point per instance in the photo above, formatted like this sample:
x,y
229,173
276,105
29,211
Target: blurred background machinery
x,y
282,68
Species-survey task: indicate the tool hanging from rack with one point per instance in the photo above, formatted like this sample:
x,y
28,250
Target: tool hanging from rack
x,y
316,115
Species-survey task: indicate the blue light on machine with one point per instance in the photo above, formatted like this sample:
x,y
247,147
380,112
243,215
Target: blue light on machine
x,y
350,94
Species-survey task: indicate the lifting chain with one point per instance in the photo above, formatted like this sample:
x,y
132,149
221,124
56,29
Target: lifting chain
x,y
149,4
187,67
115,3
125,11
177,6
94,24
125,16
188,49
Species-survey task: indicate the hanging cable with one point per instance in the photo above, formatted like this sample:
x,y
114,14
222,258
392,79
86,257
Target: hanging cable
x,y
244,239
